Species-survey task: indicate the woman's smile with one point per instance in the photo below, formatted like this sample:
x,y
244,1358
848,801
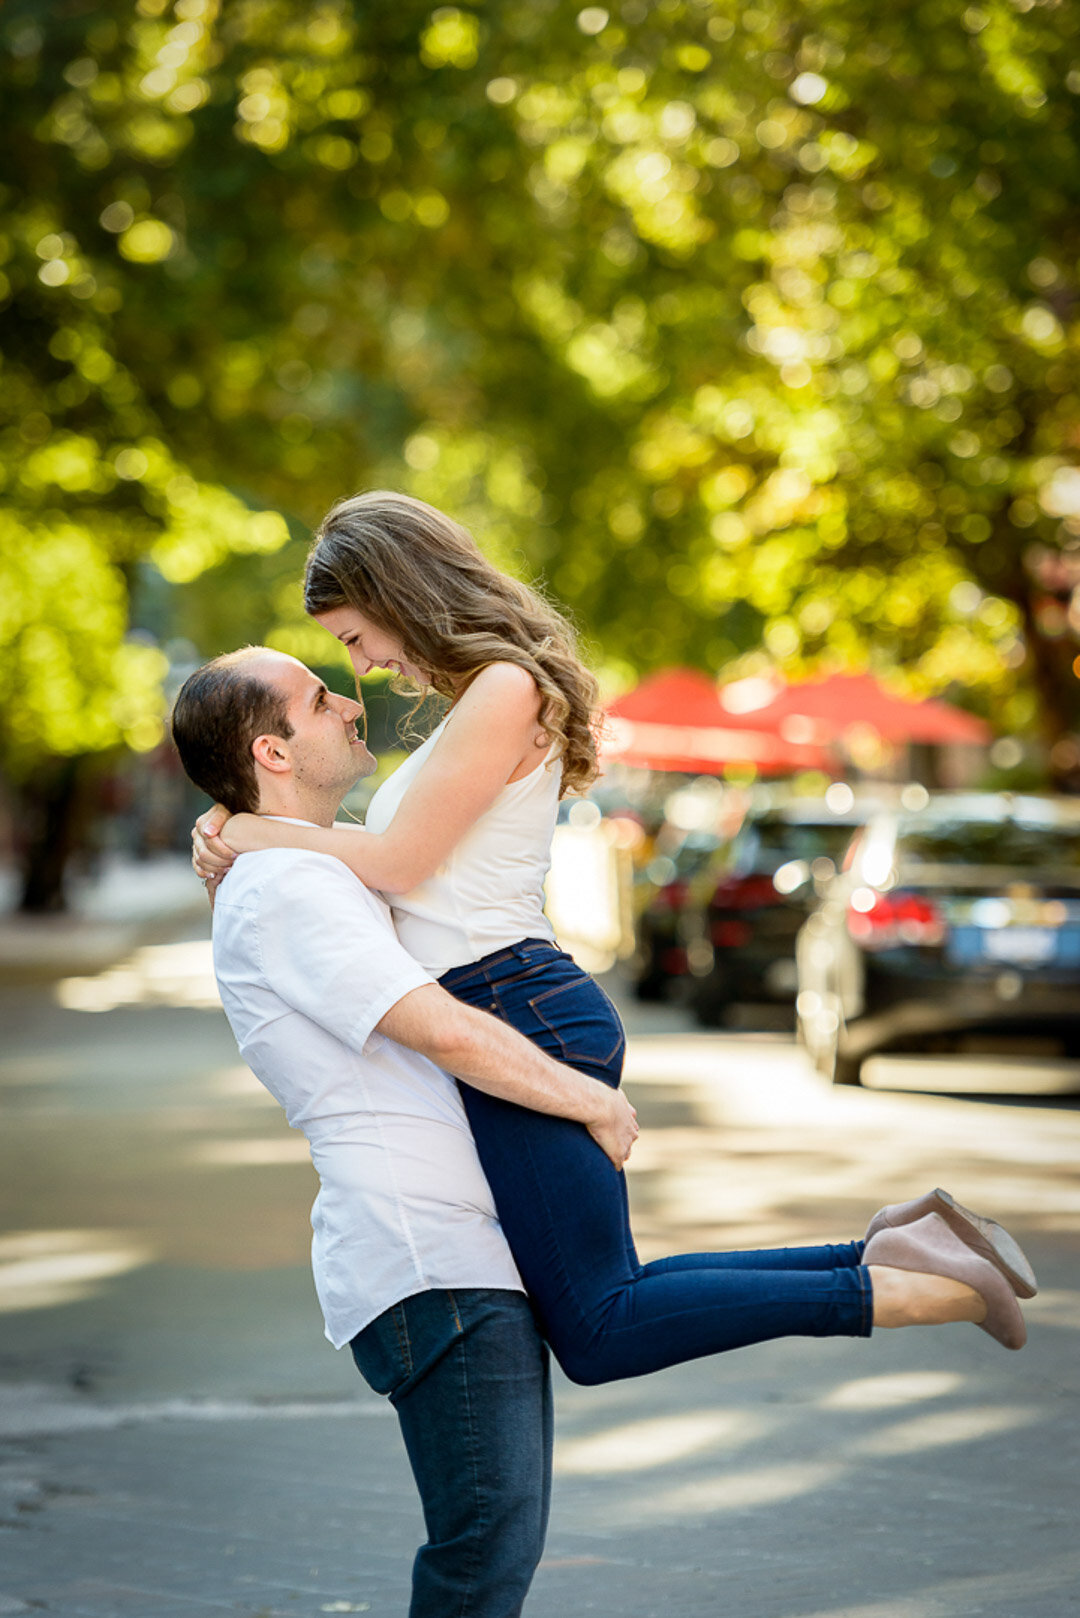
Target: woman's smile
x,y
368,646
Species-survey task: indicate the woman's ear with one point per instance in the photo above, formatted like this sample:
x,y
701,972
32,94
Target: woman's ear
x,y
271,753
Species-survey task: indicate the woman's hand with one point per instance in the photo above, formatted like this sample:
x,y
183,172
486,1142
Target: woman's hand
x,y
210,855
217,837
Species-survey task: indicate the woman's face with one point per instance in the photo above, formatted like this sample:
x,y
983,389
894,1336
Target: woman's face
x,y
368,647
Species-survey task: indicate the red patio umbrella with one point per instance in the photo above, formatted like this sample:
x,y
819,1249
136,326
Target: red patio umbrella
x,y
820,711
674,721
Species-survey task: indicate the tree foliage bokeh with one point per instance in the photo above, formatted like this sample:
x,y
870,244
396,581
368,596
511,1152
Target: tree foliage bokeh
x,y
752,329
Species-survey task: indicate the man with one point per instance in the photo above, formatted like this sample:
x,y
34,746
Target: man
x,y
353,1038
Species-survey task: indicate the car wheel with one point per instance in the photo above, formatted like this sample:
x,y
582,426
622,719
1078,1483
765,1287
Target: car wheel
x,y
650,986
709,999
648,981
845,1070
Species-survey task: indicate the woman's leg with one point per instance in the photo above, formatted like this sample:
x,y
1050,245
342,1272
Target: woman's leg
x,y
563,1208
833,1256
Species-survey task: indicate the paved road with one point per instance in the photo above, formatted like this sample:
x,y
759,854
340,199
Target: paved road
x,y
180,1440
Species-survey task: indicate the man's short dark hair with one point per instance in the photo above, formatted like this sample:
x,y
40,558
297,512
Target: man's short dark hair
x,y
220,710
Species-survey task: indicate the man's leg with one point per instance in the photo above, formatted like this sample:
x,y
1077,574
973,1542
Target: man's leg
x,y
470,1380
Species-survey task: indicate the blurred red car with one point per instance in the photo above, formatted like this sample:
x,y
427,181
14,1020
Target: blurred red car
x,y
775,871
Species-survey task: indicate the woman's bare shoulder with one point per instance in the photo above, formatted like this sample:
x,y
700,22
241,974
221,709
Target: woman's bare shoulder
x,y
509,685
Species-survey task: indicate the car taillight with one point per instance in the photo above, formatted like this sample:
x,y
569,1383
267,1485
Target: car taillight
x,y
729,934
745,893
673,896
884,920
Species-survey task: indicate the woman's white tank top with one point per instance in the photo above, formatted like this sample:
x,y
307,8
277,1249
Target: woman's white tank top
x,y
490,891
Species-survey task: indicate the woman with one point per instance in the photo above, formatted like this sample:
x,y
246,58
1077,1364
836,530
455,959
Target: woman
x,y
459,841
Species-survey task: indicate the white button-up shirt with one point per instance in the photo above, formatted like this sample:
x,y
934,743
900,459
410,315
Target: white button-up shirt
x,y
307,964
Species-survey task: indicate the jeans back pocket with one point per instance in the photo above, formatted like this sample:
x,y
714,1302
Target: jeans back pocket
x,y
583,1024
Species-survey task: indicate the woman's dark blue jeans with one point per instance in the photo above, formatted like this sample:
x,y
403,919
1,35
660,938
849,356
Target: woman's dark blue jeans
x,y
563,1207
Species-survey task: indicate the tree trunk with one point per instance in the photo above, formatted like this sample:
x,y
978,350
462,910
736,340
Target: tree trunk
x,y
1055,684
50,825
1050,658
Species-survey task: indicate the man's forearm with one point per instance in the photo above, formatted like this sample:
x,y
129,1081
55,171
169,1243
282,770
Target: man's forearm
x,y
479,1049
491,1056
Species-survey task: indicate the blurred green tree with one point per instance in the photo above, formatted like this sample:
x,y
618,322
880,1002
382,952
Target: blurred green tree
x,y
748,327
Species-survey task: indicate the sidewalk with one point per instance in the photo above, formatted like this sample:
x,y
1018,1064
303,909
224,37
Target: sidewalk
x,y
127,903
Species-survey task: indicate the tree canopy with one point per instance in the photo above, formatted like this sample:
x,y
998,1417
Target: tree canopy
x,y
752,329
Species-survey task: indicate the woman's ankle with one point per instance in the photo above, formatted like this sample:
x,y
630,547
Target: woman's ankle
x,y
911,1298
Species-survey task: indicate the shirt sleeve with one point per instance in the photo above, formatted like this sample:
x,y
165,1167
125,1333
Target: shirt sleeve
x,y
327,946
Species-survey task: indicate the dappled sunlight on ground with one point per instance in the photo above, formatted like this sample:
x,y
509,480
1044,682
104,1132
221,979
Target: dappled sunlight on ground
x,y
44,1269
239,1084
1055,1307
989,1075
253,1151
899,1388
638,1446
786,1437
156,975
969,1426
1007,1591
758,1152
738,1491
722,1443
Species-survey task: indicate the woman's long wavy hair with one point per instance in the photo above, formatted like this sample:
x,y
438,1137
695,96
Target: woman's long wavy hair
x,y
421,577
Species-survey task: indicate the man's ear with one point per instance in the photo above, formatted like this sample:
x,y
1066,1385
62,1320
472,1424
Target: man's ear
x,y
272,754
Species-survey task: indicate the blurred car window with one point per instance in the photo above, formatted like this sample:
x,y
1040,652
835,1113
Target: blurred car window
x,y
1025,844
768,844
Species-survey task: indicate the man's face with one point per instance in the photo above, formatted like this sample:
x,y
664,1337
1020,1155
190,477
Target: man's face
x,y
327,753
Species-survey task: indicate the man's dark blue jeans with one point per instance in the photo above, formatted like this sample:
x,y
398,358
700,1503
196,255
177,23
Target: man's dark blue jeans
x,y
470,1380
564,1210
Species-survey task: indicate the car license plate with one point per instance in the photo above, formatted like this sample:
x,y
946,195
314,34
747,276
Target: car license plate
x,y
1027,945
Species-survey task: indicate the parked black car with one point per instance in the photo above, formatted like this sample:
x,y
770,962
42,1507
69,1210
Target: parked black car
x,y
776,869
955,930
664,936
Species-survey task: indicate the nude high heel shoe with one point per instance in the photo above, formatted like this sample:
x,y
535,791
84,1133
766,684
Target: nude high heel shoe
x,y
982,1235
929,1246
